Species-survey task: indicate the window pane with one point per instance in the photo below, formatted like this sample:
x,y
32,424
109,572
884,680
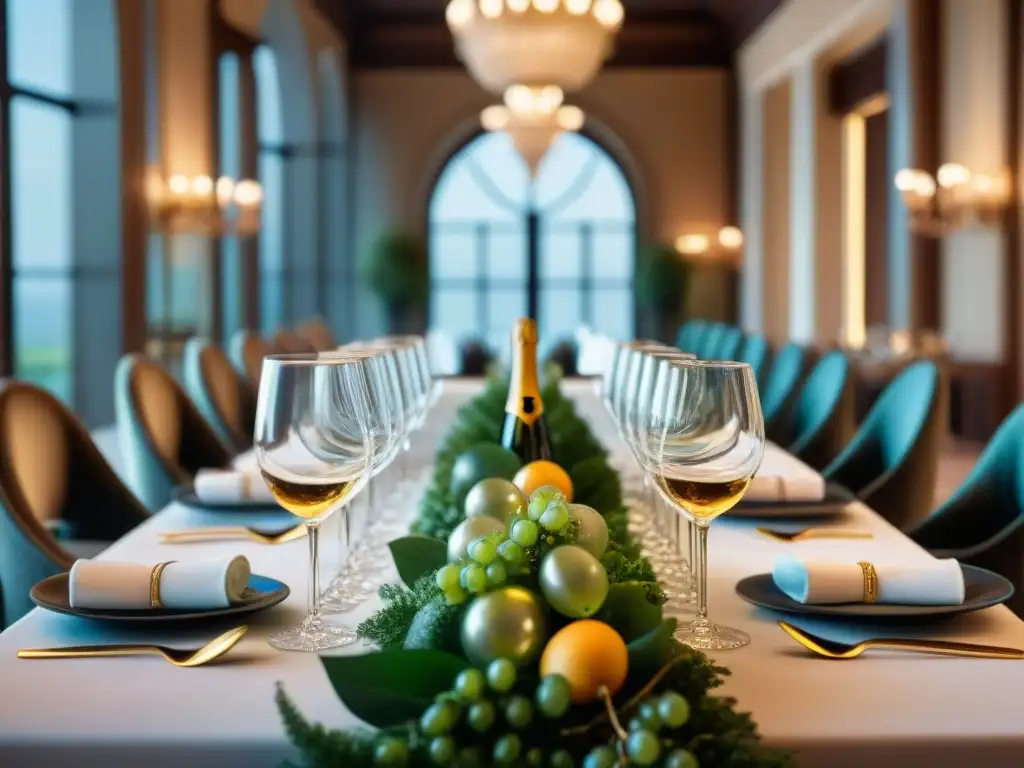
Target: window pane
x,y
454,311
504,307
39,45
41,184
560,315
271,171
506,253
42,333
269,122
612,312
231,287
485,181
452,252
229,125
614,255
271,302
559,253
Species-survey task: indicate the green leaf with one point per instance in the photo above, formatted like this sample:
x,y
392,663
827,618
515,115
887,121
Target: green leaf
x,y
391,687
630,609
417,556
650,652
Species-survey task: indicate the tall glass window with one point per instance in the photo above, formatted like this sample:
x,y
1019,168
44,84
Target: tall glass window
x,y
230,155
271,168
561,246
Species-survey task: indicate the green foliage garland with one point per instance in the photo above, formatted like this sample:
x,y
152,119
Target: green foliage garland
x,y
415,619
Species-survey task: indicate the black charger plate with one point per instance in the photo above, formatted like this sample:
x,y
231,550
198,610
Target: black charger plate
x,y
982,589
835,501
263,592
186,494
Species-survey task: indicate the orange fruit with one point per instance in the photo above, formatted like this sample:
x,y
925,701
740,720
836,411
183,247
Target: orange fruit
x,y
541,472
588,654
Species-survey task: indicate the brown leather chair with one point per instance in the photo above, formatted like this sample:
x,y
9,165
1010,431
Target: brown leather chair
x,y
290,343
247,352
317,333
226,399
61,499
164,438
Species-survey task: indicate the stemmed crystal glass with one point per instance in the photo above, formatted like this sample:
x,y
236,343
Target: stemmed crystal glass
x,y
314,447
702,443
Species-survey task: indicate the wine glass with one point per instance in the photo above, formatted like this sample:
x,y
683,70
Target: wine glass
x,y
314,448
702,444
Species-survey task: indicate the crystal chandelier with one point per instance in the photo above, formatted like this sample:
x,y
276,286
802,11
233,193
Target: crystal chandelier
x,y
533,118
533,42
955,198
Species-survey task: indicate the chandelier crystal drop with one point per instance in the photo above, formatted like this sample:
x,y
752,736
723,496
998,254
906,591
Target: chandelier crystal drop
x,y
532,131
560,43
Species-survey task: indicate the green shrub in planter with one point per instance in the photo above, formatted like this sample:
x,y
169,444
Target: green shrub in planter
x,y
397,272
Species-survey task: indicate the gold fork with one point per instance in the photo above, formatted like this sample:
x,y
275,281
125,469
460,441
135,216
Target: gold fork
x,y
235,532
815,533
831,649
179,657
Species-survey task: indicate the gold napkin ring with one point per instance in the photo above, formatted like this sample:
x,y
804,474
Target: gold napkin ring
x,y
154,584
870,581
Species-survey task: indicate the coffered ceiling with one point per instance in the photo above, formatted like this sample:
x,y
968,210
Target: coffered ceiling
x,y
411,33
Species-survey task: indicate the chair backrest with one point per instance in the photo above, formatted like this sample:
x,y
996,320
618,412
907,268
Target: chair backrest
x,y
823,413
247,351
708,344
729,343
755,352
52,472
781,382
317,333
690,334
289,342
892,460
226,400
164,438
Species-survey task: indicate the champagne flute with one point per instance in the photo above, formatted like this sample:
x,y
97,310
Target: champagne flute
x,y
314,449
702,444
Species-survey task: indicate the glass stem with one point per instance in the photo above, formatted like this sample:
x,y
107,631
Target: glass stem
x,y
694,565
313,531
702,576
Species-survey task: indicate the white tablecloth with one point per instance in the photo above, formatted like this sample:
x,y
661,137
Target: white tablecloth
x,y
879,710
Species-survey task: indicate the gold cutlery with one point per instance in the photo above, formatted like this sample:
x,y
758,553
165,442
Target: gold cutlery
x,y
834,650
815,533
179,657
281,536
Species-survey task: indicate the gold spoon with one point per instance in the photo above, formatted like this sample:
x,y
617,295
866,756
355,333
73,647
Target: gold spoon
x,y
815,533
834,650
281,536
179,657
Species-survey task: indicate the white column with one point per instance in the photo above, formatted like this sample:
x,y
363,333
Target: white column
x,y
752,211
974,72
802,206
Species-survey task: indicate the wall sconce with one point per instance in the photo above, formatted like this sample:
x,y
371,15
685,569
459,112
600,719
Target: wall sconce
x,y
954,199
729,243
198,205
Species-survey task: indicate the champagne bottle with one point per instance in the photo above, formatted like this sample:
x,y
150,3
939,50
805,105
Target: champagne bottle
x,y
525,432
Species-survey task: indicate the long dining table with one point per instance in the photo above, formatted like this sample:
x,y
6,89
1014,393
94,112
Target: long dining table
x,y
881,709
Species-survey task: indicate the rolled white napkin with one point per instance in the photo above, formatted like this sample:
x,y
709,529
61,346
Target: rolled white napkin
x,y
246,462
804,487
927,582
195,585
220,486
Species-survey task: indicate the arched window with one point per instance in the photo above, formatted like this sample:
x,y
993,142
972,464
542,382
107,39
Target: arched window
x,y
270,135
560,248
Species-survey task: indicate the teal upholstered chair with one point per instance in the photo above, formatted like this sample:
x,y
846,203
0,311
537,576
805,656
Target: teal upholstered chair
x,y
781,383
729,343
982,523
822,419
756,352
227,401
892,460
164,438
246,351
708,343
60,498
689,335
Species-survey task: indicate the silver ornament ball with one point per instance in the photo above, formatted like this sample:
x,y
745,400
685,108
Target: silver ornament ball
x,y
593,531
573,581
505,624
469,529
495,497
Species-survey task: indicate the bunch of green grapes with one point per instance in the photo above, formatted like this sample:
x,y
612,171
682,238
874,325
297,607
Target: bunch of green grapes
x,y
650,739
482,721
499,555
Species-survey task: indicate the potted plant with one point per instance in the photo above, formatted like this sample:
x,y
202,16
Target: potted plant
x,y
662,286
397,272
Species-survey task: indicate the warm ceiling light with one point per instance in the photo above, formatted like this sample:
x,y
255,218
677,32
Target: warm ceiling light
x,y
952,174
692,244
495,118
202,185
577,7
518,6
178,184
458,13
225,189
609,13
546,6
491,9
730,238
248,193
570,118
906,180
